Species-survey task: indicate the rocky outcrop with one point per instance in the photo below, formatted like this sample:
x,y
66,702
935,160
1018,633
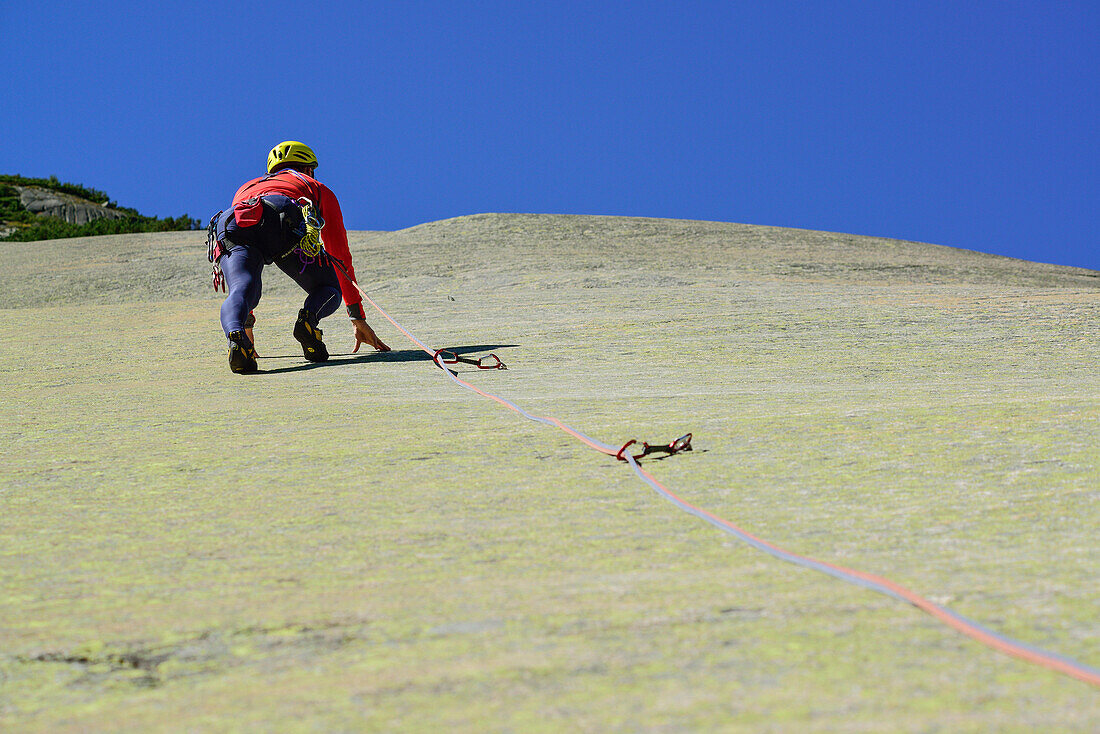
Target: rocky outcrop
x,y
72,209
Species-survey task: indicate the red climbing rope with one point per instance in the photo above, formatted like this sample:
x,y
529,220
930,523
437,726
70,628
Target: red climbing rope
x,y
976,631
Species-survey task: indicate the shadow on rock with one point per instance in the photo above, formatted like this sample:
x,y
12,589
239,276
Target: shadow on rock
x,y
393,356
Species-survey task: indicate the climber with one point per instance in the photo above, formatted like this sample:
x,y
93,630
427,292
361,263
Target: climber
x,y
277,219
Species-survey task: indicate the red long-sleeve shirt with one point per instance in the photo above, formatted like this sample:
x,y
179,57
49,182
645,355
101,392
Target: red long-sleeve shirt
x,y
295,184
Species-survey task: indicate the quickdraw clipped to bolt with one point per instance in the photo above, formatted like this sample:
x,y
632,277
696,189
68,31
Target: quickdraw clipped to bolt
x,y
683,443
488,362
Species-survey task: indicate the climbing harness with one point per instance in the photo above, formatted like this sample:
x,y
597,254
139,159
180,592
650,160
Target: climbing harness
x,y
248,213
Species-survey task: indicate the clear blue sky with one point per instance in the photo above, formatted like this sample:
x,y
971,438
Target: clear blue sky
x,y
965,124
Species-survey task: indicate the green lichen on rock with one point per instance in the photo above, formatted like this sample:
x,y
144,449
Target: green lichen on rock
x,y
364,546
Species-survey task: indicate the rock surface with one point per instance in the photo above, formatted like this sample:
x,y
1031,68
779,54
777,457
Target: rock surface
x,y
362,545
72,209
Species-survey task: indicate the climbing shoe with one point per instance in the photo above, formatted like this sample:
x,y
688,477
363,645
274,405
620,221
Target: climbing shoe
x,y
307,333
242,355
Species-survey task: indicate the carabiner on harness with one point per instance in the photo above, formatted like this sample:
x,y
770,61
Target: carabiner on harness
x,y
488,362
214,250
683,443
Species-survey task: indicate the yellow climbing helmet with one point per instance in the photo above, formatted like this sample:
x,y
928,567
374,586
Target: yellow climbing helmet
x,y
290,151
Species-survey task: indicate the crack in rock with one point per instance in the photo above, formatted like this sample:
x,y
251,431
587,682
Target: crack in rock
x,y
150,666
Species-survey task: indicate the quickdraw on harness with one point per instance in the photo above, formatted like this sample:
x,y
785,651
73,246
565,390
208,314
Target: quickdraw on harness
x,y
214,250
247,213
683,443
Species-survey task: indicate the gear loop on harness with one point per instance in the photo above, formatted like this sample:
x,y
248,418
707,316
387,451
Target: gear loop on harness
x,y
214,250
310,245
